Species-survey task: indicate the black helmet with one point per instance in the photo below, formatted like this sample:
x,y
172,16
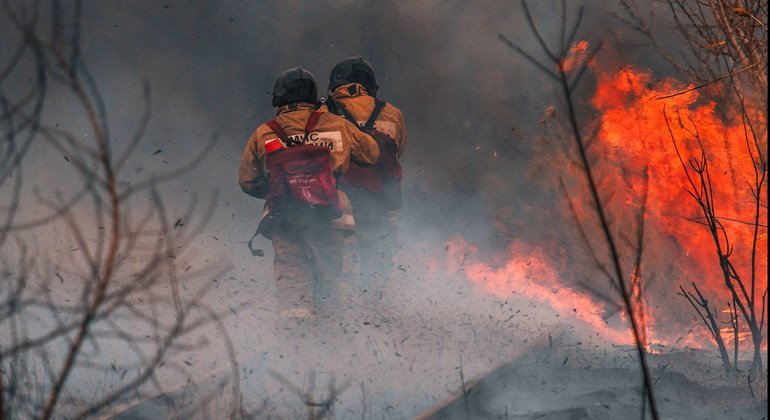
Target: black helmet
x,y
353,70
295,85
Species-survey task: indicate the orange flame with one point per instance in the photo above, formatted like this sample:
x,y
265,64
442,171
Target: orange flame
x,y
638,303
529,272
633,135
636,149
576,54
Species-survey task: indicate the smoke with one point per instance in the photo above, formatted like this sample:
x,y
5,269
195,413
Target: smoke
x,y
477,164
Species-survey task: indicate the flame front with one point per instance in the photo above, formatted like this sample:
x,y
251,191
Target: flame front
x,y
529,272
634,135
637,165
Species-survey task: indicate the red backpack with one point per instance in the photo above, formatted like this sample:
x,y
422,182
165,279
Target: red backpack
x,y
381,181
301,176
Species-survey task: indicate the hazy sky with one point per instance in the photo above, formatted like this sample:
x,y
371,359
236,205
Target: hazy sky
x,y
470,103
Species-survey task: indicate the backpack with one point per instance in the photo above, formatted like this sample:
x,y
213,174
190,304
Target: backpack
x,y
301,179
382,181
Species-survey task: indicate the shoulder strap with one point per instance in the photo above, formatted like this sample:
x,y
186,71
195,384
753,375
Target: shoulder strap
x,y
340,110
309,126
278,131
378,105
312,120
331,105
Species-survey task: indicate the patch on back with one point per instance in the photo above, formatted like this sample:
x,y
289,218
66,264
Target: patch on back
x,y
330,139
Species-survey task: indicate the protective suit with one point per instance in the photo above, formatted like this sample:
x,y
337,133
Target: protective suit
x,y
308,243
352,94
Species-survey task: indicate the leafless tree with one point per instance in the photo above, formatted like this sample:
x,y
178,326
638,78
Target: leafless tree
x,y
117,291
741,282
567,70
710,319
725,42
720,38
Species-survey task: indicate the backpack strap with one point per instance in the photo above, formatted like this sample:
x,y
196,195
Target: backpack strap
x,y
332,106
278,131
340,110
312,120
369,124
309,126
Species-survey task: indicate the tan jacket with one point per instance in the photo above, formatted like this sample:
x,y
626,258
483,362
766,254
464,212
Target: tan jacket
x,y
360,105
344,139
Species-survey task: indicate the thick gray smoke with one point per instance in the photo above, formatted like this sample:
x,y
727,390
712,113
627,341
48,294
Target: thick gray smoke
x,y
472,167
470,102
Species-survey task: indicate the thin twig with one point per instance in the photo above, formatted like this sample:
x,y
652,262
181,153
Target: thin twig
x,y
713,81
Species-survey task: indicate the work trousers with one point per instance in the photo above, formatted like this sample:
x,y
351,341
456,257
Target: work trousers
x,y
307,266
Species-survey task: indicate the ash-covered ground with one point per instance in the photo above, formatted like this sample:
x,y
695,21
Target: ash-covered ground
x,y
438,347
431,343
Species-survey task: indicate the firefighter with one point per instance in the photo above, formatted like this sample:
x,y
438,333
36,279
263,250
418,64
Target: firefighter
x,y
374,192
293,162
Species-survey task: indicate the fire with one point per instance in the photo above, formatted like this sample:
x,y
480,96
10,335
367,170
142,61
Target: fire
x,y
577,54
728,332
638,156
633,135
744,337
529,272
639,305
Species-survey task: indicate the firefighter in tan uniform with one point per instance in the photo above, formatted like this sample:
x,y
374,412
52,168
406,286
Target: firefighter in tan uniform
x,y
374,192
293,162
